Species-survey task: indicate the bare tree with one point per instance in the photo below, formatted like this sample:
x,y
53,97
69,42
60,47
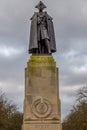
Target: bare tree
x,y
77,118
10,117
82,94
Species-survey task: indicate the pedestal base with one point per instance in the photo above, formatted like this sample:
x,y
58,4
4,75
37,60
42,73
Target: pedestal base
x,y
42,103
41,126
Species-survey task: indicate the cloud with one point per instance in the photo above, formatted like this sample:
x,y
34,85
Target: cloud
x,y
14,92
9,51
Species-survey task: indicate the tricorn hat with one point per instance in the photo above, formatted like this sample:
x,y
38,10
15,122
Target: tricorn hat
x,y
40,5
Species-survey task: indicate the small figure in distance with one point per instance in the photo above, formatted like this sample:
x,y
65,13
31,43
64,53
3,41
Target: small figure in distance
x,y
42,37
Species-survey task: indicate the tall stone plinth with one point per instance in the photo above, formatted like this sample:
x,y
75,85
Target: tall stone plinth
x,y
41,103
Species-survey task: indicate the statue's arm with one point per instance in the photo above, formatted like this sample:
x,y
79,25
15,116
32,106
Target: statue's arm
x,y
34,16
48,16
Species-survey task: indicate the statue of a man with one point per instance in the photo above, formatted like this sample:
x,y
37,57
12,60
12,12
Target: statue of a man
x,y
42,37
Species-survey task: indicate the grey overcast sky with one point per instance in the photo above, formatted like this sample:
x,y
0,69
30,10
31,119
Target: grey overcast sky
x,y
70,23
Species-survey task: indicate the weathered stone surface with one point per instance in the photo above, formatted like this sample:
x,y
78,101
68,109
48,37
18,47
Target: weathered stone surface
x,y
42,103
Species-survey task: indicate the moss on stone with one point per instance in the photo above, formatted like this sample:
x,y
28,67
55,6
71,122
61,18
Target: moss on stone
x,y
55,119
28,119
37,62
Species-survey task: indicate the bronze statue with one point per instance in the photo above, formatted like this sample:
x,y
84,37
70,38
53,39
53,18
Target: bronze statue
x,y
42,37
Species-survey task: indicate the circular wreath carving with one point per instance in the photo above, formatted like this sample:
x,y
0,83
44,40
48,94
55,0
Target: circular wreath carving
x,y
41,108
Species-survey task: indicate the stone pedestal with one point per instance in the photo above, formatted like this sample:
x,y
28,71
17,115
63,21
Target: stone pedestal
x,y
41,103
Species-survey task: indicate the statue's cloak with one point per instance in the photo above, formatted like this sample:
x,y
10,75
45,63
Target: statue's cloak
x,y
33,44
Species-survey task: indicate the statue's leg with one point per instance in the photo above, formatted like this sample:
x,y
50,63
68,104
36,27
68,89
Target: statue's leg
x,y
39,47
47,43
43,48
37,51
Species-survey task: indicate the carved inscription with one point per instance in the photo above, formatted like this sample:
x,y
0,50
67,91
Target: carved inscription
x,y
42,127
46,127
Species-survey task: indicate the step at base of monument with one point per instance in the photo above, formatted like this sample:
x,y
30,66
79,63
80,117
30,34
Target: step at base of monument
x,y
44,126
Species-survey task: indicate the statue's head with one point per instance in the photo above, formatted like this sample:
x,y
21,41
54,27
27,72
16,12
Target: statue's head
x,y
40,6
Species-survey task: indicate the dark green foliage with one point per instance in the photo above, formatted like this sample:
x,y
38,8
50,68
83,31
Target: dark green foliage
x,y
10,117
